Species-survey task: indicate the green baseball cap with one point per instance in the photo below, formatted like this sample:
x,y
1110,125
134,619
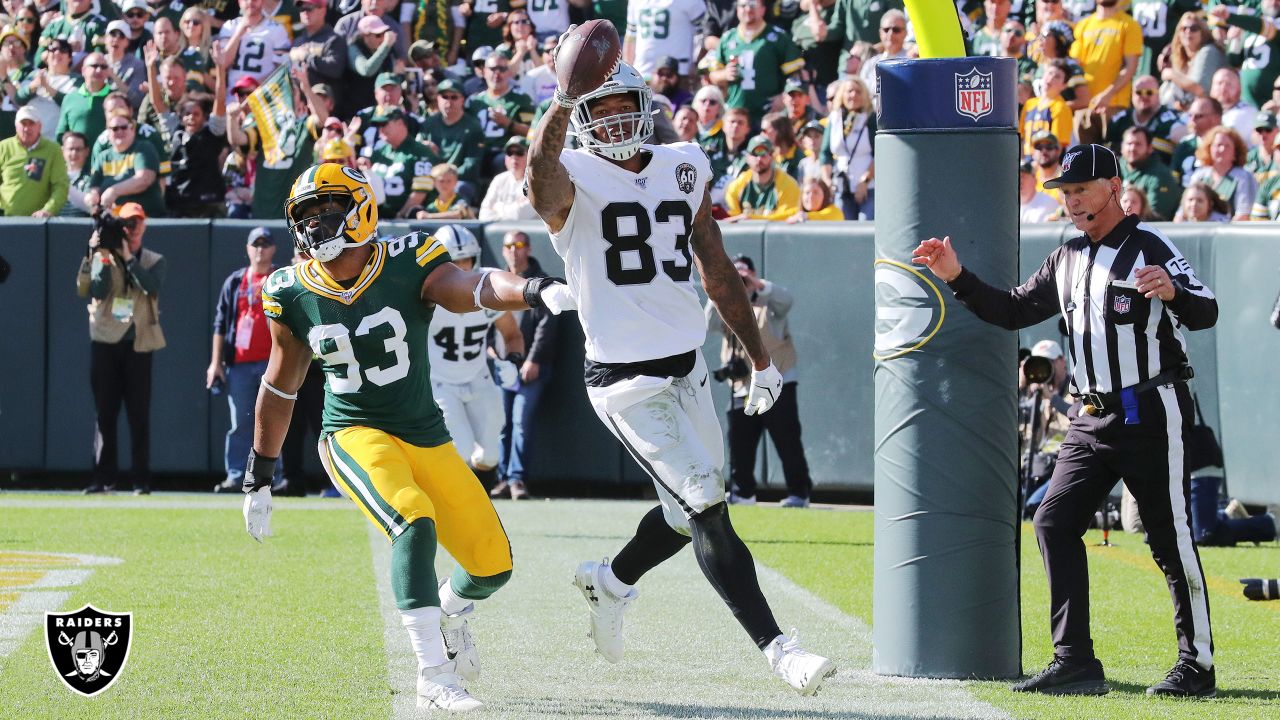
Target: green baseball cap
x,y
385,115
386,78
449,85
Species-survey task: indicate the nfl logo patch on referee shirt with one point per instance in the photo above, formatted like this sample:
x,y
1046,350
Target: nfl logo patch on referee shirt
x,y
1121,304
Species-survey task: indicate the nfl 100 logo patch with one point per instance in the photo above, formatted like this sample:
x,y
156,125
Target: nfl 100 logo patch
x,y
974,98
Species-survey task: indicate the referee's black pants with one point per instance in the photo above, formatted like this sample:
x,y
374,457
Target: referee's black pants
x,y
1150,457
783,424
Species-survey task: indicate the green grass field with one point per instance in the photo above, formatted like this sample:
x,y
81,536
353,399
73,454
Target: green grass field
x,y
300,627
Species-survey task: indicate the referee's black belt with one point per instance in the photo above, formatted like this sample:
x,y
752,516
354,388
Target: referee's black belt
x,y
1112,400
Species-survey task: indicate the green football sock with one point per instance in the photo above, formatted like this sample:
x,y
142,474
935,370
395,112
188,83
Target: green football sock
x,y
413,566
472,587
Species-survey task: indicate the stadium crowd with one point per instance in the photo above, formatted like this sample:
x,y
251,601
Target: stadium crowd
x,y
434,99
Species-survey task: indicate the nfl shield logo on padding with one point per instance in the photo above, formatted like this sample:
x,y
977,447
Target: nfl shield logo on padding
x,y
88,648
973,94
1121,304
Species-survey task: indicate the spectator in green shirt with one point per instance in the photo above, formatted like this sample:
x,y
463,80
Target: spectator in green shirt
x,y
78,25
33,176
404,165
128,171
1141,169
854,21
503,113
456,136
82,108
753,60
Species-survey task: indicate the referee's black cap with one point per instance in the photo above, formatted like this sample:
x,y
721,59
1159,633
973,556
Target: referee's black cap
x,y
1082,163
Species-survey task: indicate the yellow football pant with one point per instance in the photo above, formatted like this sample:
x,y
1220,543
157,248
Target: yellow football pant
x,y
394,483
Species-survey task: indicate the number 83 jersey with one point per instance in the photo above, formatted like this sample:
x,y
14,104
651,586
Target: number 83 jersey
x,y
625,246
371,337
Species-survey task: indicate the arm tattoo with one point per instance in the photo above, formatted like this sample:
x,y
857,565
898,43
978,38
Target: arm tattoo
x,y
723,284
550,189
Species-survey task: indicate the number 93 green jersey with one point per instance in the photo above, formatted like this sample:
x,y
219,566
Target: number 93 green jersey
x,y
371,337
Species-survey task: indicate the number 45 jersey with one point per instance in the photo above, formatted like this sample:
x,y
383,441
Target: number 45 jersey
x,y
625,246
371,337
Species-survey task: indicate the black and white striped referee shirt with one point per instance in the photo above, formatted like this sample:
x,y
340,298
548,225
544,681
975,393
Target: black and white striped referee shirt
x,y
1117,339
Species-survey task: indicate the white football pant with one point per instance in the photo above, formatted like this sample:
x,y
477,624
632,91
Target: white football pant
x,y
473,413
675,436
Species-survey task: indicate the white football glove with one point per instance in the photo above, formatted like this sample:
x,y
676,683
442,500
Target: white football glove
x,y
766,388
559,298
257,513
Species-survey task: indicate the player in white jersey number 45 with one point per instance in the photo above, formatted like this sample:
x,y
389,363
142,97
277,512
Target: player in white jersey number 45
x,y
631,221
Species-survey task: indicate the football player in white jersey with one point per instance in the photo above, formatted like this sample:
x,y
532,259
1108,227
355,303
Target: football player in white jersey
x,y
631,221
459,351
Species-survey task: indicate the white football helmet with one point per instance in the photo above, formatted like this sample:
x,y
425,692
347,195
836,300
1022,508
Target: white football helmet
x,y
460,242
627,131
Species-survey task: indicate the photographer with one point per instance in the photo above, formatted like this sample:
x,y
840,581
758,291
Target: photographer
x,y
1042,417
122,281
770,302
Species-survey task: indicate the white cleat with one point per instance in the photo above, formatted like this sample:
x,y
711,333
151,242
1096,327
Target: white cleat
x,y
799,668
606,609
440,688
460,644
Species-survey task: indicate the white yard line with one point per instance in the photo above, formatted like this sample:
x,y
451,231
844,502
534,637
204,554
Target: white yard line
x,y
402,666
686,655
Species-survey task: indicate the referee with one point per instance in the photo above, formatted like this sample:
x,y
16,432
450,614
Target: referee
x,y
1124,291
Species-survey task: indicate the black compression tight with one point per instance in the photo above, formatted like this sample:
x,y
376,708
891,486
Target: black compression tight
x,y
653,543
723,557
728,565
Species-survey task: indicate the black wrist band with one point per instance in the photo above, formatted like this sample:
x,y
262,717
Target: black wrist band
x,y
258,471
515,358
533,291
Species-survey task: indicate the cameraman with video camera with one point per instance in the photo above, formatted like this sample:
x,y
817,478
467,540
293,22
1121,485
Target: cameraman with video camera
x,y
122,281
770,302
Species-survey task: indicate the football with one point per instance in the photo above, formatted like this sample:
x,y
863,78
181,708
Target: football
x,y
587,56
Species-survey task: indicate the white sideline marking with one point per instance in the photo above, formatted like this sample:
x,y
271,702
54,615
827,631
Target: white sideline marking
x,y
686,655
402,666
26,613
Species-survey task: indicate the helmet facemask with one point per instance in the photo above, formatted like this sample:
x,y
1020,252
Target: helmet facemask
x,y
626,131
319,223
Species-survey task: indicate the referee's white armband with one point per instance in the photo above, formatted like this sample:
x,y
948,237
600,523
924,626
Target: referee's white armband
x,y
484,274
277,391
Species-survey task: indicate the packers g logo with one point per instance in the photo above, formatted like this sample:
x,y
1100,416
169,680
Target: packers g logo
x,y
909,309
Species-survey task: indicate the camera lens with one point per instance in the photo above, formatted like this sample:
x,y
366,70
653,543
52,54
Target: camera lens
x,y
1037,369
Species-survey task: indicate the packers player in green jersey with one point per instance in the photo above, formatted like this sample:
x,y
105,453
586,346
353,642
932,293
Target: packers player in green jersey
x,y
363,306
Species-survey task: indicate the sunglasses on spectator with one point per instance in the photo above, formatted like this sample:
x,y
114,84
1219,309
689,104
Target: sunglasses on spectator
x,y
515,244
116,34
135,14
513,152
1192,28
710,101
119,128
498,68
893,29
451,96
96,66
1044,146
1265,130
522,21
196,21
262,243
26,20
1145,92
